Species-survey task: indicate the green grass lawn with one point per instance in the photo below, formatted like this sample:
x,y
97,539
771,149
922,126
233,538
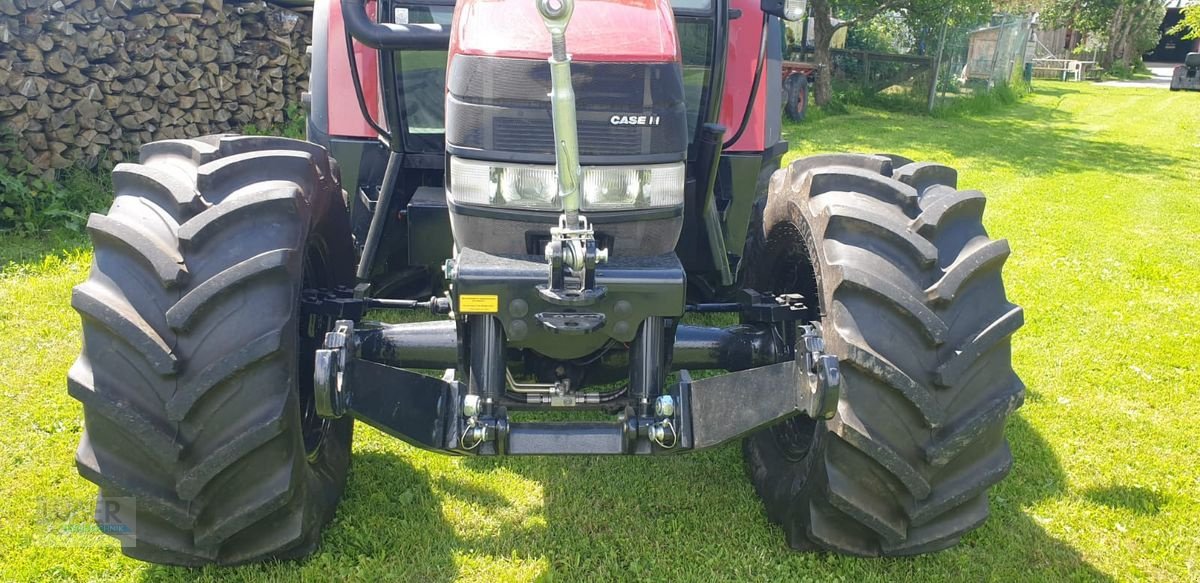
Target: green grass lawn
x,y
1097,190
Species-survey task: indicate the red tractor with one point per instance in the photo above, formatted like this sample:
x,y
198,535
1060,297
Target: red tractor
x,y
555,186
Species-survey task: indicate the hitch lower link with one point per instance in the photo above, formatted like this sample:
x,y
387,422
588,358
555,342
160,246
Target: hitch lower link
x,y
439,415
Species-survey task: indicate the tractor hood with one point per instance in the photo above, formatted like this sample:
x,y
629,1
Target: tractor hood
x,y
640,31
631,116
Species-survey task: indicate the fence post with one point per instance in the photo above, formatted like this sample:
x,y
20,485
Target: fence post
x,y
937,65
866,80
996,53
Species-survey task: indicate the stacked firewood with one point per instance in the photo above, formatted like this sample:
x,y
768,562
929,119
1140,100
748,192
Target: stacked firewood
x,y
85,82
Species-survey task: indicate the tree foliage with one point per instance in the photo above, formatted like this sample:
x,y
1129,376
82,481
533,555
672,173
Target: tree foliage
x,y
1189,27
920,17
1121,29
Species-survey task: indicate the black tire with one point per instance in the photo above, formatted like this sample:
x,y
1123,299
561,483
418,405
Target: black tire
x,y
795,96
195,380
909,295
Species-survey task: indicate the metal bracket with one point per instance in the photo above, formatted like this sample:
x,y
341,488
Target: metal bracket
x,y
572,249
320,307
822,373
329,371
760,307
419,409
570,322
730,405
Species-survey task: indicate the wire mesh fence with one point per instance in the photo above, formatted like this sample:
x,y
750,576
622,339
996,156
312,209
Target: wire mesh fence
x,y
996,53
942,64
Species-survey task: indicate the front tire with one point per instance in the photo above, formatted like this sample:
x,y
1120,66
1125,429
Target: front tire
x,y
907,287
195,379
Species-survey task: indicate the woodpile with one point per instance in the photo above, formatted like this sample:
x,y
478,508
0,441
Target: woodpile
x,y
87,81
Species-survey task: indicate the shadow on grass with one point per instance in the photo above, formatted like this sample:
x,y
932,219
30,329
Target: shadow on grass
x,y
391,521
389,526
1028,137
24,253
687,517
698,514
1133,498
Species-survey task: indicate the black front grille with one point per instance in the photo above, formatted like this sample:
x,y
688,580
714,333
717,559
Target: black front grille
x,y
522,135
500,107
598,138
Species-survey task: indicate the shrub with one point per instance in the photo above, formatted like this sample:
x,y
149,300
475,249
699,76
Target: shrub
x,y
980,102
293,126
31,205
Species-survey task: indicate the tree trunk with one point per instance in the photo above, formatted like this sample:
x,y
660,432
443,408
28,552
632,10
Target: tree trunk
x,y
1112,50
1127,40
1120,35
1142,19
1071,32
822,37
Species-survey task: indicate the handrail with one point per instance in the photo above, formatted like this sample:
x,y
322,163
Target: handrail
x,y
389,36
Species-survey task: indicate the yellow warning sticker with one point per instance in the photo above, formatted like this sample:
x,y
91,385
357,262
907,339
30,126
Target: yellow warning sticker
x,y
478,304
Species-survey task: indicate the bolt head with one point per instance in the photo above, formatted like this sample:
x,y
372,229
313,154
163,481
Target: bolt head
x,y
664,406
471,405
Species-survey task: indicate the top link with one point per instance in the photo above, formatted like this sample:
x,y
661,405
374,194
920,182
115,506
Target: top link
x,y
557,14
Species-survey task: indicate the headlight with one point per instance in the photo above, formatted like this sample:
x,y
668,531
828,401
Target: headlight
x,y
518,186
536,187
622,187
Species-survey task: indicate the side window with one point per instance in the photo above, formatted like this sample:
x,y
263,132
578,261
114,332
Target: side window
x,y
423,79
695,43
422,76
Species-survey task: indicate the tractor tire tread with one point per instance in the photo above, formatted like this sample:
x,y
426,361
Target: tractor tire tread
x,y
913,306
185,376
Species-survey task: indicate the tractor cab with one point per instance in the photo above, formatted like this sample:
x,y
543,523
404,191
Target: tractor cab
x,y
689,99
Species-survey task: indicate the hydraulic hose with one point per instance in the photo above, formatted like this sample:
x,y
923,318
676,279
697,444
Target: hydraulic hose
x,y
358,92
758,72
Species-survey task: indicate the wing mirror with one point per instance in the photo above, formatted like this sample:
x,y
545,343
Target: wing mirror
x,y
785,9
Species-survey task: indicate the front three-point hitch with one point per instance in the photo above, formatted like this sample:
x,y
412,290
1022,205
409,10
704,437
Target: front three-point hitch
x,y
363,370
